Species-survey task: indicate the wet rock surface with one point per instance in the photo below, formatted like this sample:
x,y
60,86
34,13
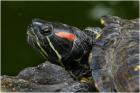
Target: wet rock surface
x,y
14,84
44,77
45,73
80,87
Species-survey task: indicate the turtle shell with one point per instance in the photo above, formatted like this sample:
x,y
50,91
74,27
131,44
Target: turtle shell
x,y
115,64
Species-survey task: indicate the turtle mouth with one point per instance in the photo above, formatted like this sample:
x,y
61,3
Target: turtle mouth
x,y
30,32
36,39
31,37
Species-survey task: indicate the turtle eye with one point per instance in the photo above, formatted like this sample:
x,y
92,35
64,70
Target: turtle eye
x,y
46,30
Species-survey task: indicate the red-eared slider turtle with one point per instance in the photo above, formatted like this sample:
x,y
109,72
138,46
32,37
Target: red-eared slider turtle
x,y
61,44
114,57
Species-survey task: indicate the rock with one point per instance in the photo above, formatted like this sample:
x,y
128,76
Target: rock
x,y
14,84
45,73
45,77
80,87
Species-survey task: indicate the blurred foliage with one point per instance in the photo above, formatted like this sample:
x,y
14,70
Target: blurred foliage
x,y
16,16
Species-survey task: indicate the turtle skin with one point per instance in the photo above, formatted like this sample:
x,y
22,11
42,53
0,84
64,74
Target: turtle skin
x,y
114,59
61,44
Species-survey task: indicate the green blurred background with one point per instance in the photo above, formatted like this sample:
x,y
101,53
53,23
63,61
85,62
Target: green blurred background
x,y
16,16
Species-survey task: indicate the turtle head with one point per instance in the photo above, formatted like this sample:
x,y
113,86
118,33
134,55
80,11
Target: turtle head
x,y
55,41
37,32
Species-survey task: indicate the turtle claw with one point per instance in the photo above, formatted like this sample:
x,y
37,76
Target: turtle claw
x,y
102,21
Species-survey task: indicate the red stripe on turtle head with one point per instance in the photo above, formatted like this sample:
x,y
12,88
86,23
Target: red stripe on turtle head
x,y
66,35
